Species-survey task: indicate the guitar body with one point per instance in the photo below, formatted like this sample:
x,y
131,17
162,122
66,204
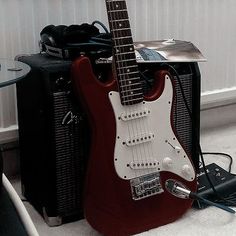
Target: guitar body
x,y
111,204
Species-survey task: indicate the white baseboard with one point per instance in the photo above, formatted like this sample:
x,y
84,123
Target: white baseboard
x,y
9,134
218,98
218,116
218,108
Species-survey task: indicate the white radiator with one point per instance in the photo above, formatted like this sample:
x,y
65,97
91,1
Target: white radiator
x,y
209,24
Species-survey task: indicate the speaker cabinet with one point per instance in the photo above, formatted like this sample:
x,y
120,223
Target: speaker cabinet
x,y
54,140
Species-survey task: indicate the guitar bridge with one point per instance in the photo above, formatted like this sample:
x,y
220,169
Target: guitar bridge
x,y
146,186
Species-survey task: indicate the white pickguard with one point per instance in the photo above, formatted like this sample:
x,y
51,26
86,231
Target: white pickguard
x,y
145,141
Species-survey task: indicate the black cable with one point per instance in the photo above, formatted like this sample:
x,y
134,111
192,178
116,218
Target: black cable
x,y
195,196
198,144
101,24
221,154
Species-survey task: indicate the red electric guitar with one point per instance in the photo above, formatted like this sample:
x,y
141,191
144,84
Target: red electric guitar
x,y
136,159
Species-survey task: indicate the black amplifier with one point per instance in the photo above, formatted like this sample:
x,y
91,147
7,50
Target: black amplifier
x,y
223,181
54,140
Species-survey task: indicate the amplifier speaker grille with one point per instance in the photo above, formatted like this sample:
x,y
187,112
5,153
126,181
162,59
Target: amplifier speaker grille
x,y
68,152
181,118
54,140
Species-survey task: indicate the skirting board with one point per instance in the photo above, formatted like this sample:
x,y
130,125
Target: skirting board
x,y
218,107
218,116
9,134
217,98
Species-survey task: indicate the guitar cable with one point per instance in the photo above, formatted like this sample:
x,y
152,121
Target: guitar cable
x,y
176,189
192,194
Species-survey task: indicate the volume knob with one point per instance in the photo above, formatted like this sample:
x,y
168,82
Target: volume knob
x,y
186,170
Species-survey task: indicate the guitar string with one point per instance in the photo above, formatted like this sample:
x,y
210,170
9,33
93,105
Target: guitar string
x,y
136,127
139,154
140,129
120,63
146,148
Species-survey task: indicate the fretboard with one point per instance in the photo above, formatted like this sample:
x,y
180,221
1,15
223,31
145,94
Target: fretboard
x,y
127,73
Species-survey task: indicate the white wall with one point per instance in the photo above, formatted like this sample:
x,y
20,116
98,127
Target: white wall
x,y
209,24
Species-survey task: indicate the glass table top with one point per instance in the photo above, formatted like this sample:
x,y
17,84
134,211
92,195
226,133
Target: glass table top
x,y
12,71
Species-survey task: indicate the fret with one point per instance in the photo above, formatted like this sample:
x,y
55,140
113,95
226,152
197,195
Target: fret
x,y
133,60
132,95
129,81
133,89
114,11
132,101
124,45
128,67
121,20
126,63
129,58
124,53
129,73
120,29
135,84
126,37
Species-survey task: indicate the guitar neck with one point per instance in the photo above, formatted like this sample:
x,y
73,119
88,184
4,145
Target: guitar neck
x,y
127,73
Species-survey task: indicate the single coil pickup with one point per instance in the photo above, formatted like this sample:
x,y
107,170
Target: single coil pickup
x,y
139,139
134,115
136,165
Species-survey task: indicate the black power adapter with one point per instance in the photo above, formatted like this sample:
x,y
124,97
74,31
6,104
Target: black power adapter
x,y
223,181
